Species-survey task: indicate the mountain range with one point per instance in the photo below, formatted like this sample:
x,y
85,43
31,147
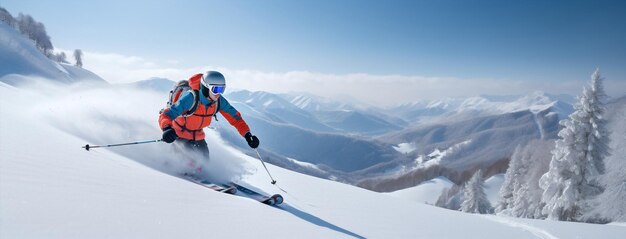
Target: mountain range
x,y
352,144
383,149
52,188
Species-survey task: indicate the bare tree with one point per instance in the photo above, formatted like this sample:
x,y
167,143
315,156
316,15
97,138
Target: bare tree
x,y
61,57
7,18
78,56
35,31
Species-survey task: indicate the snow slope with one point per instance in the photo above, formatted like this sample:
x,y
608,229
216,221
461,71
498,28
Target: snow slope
x,y
51,188
429,191
425,192
21,60
492,187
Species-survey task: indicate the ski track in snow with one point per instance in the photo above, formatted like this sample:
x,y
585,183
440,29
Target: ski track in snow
x,y
536,117
540,233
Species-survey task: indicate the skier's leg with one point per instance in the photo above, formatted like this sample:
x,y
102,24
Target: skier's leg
x,y
202,151
203,148
188,154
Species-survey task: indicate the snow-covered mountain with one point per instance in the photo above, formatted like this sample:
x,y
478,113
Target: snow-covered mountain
x,y
297,127
312,103
358,121
155,83
318,114
278,109
339,152
482,142
286,134
21,61
52,188
60,190
454,109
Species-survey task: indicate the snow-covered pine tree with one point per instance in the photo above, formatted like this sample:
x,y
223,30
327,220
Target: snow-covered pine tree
x,y
450,198
475,199
511,177
535,157
520,194
611,203
577,159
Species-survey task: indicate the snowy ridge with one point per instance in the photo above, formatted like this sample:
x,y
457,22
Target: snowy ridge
x,y
404,148
423,161
21,61
314,103
304,164
154,83
539,126
537,101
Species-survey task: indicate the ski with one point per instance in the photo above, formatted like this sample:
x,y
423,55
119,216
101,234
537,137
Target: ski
x,y
237,189
213,186
273,200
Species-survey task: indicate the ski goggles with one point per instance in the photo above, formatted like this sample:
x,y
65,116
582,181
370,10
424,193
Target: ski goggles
x,y
212,89
217,89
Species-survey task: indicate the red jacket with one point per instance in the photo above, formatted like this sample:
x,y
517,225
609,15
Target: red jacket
x,y
191,126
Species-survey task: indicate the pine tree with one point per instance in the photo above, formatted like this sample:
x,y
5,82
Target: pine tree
x,y
577,159
511,177
535,156
611,203
450,198
475,199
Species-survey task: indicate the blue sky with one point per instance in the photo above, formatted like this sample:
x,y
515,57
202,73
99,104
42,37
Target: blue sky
x,y
557,42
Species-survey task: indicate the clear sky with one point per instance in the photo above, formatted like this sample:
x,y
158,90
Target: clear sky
x,y
551,45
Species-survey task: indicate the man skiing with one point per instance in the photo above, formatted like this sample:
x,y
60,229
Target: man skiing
x,y
183,122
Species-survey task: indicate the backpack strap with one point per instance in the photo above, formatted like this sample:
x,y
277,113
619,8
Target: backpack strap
x,y
217,108
194,84
194,105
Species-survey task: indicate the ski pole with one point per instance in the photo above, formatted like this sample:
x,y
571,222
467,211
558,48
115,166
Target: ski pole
x,y
262,162
87,147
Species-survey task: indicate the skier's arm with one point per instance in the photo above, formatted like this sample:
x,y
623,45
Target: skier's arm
x,y
233,116
184,103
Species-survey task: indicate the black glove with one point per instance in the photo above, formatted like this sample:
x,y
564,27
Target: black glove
x,y
252,140
169,135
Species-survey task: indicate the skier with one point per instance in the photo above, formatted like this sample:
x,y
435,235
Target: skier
x,y
183,122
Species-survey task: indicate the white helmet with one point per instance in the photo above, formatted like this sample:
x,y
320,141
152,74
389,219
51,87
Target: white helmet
x,y
213,82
